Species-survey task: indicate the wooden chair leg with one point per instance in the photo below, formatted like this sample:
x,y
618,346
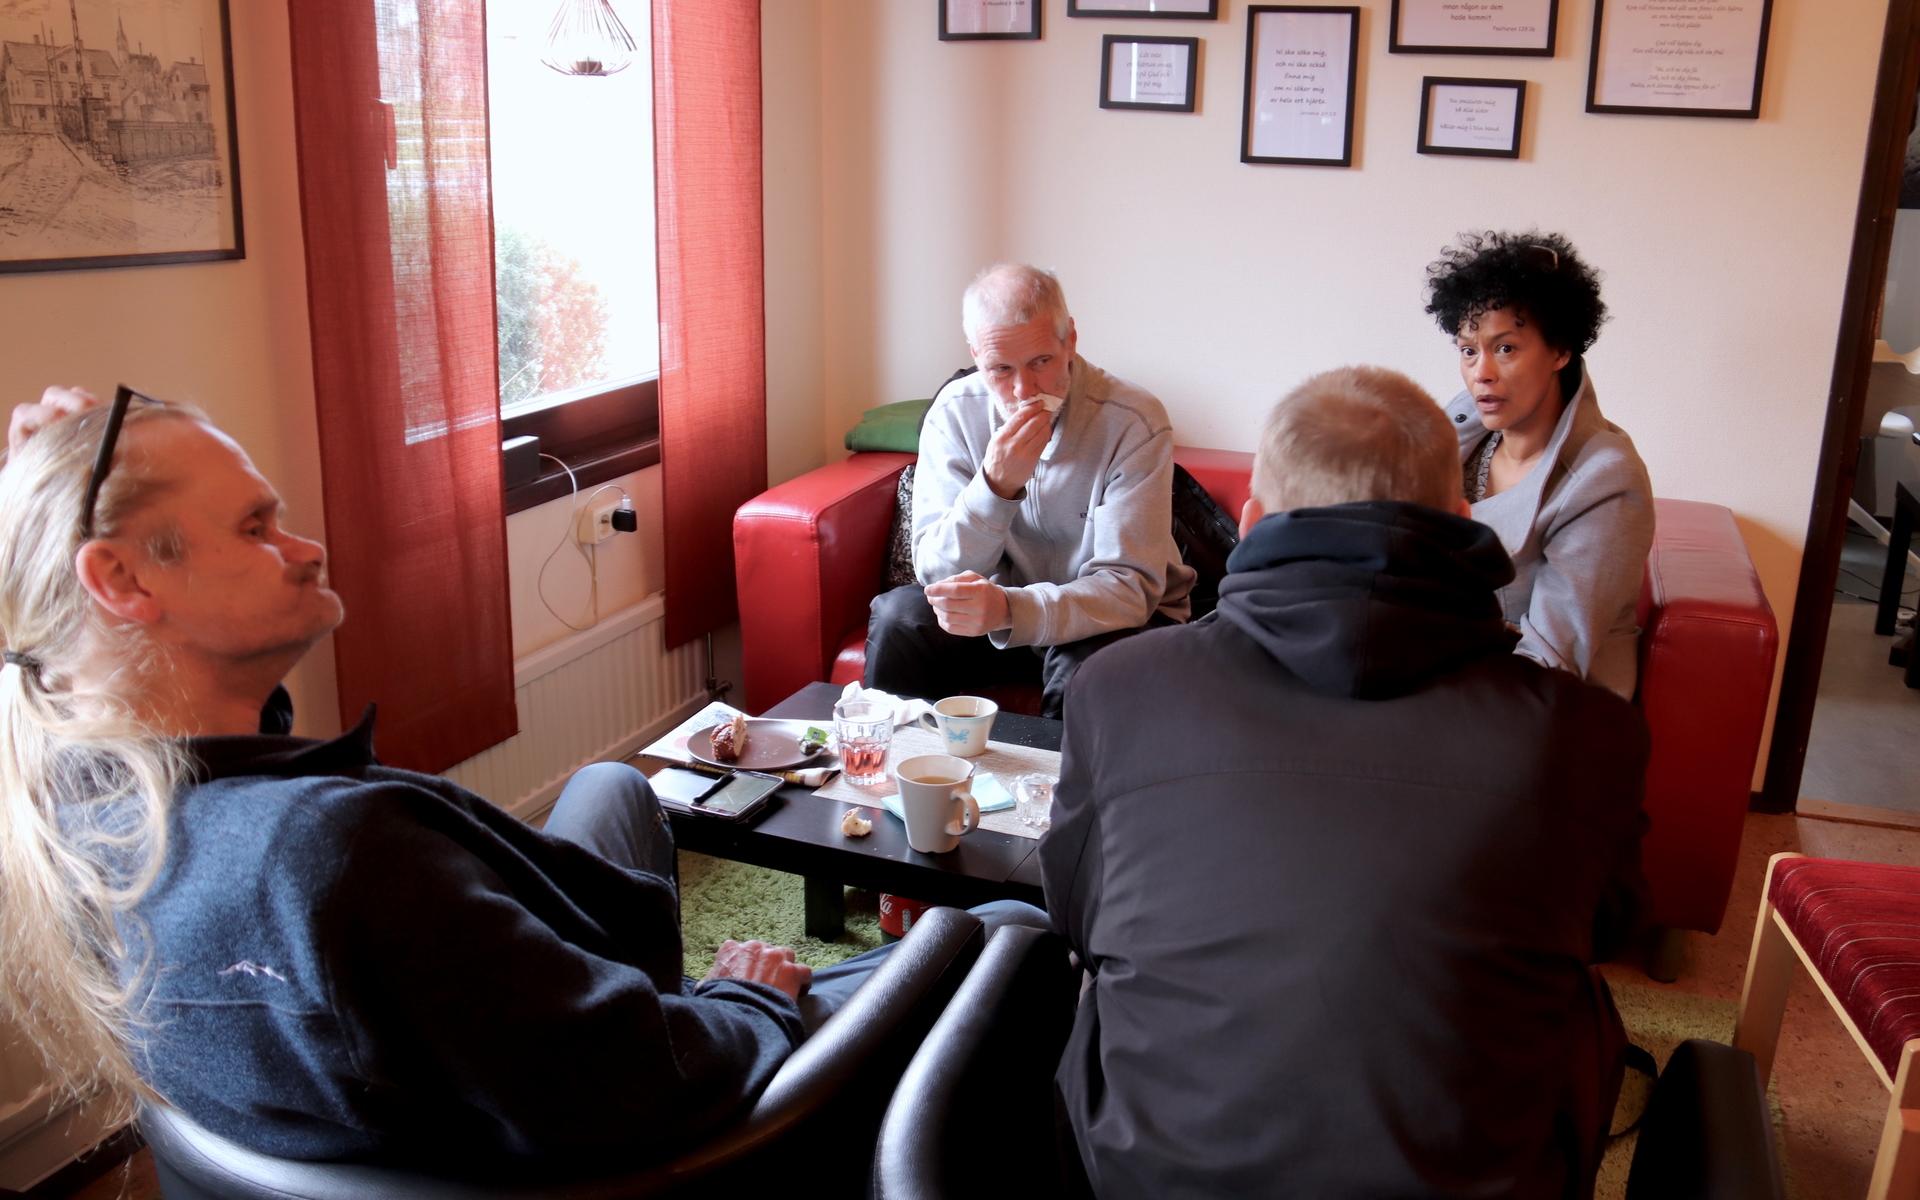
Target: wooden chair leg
x,y
1896,1167
1763,996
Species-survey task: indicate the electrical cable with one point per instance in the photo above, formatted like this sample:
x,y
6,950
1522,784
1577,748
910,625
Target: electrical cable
x,y
1874,583
567,532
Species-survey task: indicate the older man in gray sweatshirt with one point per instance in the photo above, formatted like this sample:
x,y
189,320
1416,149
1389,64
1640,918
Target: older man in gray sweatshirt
x,y
1042,510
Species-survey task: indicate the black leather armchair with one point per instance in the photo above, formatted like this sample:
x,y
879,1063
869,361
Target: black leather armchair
x,y
829,1096
994,1051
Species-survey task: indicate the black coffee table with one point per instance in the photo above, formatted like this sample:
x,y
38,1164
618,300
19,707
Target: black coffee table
x,y
799,832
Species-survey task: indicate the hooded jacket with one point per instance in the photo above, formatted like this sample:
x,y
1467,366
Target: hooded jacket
x,y
1338,861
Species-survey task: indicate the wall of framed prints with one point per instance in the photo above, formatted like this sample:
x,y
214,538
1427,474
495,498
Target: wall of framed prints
x,y
1218,283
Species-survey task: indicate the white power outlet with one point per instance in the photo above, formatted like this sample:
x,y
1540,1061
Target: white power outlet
x,y
595,523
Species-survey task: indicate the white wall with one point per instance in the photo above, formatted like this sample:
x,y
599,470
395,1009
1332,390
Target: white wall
x,y
1218,284
791,95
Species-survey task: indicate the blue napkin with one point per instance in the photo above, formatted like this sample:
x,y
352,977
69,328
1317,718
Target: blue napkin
x,y
988,793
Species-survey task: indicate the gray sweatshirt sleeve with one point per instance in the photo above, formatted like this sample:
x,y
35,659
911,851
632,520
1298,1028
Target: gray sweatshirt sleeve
x,y
958,523
1123,582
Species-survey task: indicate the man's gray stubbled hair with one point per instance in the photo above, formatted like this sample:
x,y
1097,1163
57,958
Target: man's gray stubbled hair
x,y
1013,294
1356,433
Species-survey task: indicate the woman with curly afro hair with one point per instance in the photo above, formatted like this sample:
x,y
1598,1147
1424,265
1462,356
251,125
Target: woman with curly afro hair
x,y
1559,483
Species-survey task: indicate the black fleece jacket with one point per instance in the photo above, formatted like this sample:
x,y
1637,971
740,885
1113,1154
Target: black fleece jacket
x,y
349,961
1339,861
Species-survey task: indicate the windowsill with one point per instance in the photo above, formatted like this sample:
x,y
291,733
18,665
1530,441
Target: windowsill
x,y
608,462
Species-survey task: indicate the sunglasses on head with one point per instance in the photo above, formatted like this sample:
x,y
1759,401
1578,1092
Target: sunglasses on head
x,y
123,397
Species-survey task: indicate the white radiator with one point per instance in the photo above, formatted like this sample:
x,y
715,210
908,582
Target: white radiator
x,y
597,695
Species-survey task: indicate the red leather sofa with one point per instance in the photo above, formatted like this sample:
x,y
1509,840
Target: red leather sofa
x,y
809,555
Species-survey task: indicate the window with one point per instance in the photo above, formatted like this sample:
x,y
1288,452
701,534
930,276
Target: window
x,y
574,280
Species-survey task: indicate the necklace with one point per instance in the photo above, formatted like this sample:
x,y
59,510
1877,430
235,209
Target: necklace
x,y
1474,476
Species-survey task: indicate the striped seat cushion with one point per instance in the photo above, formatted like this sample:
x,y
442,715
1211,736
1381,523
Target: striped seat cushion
x,y
1860,924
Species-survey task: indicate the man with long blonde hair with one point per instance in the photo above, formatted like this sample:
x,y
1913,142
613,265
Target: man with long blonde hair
x,y
309,953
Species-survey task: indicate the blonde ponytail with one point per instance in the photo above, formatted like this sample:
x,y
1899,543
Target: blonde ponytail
x,y
84,787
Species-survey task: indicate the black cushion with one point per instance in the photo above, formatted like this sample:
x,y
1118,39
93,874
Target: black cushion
x,y
1206,535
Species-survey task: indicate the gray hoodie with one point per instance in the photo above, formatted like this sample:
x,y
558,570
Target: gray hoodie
x,y
1087,546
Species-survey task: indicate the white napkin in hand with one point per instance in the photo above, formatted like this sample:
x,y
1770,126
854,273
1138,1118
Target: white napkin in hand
x,y
905,712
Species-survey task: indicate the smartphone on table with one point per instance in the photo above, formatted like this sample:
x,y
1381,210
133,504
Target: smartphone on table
x,y
724,796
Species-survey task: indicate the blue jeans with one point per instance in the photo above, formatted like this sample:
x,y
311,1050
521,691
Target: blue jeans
x,y
610,809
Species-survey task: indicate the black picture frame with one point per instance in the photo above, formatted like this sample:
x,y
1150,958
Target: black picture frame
x,y
1031,34
1396,45
1749,112
1090,8
1431,83
167,161
1190,44
1254,13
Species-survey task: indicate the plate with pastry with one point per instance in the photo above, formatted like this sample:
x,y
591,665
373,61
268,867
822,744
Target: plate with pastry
x,y
757,744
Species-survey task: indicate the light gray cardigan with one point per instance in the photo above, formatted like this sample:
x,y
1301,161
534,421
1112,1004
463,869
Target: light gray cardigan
x,y
1578,529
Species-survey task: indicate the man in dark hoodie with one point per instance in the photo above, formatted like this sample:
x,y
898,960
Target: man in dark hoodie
x,y
1337,860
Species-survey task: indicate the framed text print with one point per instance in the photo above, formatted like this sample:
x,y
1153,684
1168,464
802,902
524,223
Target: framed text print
x,y
1473,27
1299,88
1157,73
1476,117
989,20
1678,58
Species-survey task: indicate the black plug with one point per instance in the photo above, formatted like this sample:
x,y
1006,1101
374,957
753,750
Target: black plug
x,y
624,519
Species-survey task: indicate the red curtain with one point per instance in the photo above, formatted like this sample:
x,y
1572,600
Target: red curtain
x,y
390,116
713,369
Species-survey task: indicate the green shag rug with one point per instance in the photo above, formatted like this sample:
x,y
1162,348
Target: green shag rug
x,y
722,899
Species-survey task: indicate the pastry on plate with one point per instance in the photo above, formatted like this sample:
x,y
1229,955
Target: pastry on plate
x,y
730,739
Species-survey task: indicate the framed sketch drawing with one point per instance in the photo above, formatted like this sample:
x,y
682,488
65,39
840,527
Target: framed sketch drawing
x,y
1473,27
1298,106
1171,10
1679,58
1155,73
989,20
117,135
1476,117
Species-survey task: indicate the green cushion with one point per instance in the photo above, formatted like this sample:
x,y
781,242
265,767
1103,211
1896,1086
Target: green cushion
x,y
890,427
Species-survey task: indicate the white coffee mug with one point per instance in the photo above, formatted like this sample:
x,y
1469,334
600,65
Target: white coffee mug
x,y
963,723
936,798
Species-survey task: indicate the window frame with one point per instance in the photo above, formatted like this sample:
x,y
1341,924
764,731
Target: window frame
x,y
600,436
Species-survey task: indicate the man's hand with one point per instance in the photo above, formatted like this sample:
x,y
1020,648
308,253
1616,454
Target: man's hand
x,y
1014,449
55,402
969,605
757,962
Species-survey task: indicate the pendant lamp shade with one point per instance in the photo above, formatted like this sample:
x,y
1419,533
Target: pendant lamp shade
x,y
587,38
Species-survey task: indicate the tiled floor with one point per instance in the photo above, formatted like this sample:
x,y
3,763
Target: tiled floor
x,y
1831,1103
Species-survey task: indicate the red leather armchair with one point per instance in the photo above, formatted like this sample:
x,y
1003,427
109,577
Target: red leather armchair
x,y
810,553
